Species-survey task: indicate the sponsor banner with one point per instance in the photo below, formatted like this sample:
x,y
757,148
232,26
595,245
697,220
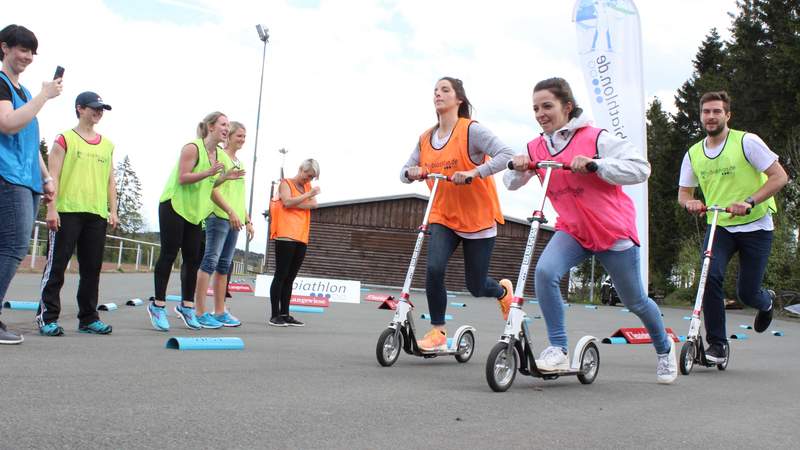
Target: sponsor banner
x,y
336,291
610,54
640,335
377,297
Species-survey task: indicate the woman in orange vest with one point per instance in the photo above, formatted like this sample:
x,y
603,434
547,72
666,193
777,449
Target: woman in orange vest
x,y
290,226
463,213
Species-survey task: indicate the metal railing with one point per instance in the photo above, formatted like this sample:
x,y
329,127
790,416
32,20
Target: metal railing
x,y
149,249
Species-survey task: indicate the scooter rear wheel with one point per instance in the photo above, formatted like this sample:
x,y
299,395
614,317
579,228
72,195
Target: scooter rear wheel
x,y
466,343
724,365
388,349
688,354
590,364
500,369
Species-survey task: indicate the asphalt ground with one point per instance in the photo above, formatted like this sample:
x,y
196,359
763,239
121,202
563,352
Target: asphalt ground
x,y
321,387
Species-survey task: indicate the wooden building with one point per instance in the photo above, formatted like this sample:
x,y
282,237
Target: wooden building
x,y
372,239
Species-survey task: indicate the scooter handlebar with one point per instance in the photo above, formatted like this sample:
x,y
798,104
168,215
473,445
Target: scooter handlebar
x,y
591,167
721,209
428,176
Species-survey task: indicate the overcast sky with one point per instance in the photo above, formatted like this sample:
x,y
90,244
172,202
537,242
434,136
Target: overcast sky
x,y
349,83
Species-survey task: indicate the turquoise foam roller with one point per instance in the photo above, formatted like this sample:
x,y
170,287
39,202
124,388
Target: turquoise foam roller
x,y
777,333
590,306
615,340
28,306
458,305
306,309
135,302
107,307
205,343
428,317
739,336
173,298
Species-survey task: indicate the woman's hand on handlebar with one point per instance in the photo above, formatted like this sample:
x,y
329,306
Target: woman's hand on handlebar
x,y
739,209
695,207
582,164
464,177
521,162
415,173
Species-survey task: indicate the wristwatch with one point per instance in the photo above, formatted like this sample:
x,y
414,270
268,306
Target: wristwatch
x,y
47,180
751,201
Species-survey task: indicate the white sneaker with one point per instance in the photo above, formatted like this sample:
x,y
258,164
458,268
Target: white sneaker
x,y
552,359
667,369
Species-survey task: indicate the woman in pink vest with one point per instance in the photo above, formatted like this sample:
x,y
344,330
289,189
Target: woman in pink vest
x,y
595,217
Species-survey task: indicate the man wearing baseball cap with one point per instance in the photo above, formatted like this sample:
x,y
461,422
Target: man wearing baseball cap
x,y
81,164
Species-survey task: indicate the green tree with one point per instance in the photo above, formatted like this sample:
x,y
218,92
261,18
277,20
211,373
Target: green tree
x,y
129,199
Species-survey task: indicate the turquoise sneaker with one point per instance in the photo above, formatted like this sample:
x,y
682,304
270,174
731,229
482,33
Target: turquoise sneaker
x,y
188,316
51,329
96,327
158,317
228,320
208,321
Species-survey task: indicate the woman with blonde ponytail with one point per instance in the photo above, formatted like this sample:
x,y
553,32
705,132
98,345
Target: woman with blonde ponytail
x,y
184,204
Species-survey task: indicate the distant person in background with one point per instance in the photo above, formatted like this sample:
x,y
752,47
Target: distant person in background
x,y
290,227
222,231
23,175
81,165
465,214
185,203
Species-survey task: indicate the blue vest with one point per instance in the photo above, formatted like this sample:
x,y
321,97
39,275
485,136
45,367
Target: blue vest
x,y
19,153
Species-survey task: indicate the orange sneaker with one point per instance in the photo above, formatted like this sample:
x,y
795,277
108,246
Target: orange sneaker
x,y
505,302
434,340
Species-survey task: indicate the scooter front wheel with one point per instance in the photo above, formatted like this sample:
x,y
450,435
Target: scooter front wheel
x,y
590,364
388,349
466,347
688,354
500,369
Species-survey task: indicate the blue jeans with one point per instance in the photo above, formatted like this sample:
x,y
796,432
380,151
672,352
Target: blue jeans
x,y
754,248
220,244
18,208
477,254
561,254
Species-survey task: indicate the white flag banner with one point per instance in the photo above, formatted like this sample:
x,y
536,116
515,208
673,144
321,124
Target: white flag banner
x,y
610,52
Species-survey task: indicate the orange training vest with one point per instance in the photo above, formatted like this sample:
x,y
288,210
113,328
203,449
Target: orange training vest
x,y
467,208
292,223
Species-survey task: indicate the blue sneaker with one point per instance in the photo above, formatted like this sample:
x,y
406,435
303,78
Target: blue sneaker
x,y
228,320
188,316
208,321
158,317
96,327
51,329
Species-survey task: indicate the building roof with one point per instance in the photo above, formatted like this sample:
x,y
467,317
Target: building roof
x,y
421,197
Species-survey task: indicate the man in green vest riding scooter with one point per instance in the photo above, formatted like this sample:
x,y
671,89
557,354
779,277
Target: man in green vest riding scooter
x,y
737,170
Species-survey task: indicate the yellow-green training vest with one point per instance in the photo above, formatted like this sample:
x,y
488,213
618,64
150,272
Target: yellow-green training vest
x,y
83,182
730,178
192,201
232,191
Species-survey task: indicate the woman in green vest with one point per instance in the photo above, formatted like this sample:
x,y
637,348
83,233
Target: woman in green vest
x,y
222,232
185,203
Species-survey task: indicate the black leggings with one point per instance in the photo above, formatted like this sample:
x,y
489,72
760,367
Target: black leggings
x,y
177,234
289,256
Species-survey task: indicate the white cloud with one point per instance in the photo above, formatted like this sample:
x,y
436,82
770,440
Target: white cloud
x,y
349,83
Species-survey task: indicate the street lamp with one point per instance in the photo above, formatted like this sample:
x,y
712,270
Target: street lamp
x,y
263,36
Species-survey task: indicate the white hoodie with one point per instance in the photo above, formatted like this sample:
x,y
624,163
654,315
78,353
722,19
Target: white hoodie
x,y
620,162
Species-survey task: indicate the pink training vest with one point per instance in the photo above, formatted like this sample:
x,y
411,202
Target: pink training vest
x,y
597,214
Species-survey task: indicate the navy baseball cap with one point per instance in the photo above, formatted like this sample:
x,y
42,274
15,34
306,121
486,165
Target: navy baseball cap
x,y
91,100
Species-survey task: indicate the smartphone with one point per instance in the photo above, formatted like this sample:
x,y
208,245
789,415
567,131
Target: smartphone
x,y
59,73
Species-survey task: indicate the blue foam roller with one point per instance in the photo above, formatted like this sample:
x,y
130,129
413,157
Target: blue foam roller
x,y
107,307
428,317
590,306
682,338
28,306
687,317
533,302
449,342
746,327
739,336
567,305
306,309
777,333
458,305
134,302
205,343
624,310
615,340
173,298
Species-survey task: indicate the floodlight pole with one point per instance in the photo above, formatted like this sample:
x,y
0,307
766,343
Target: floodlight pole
x,y
263,36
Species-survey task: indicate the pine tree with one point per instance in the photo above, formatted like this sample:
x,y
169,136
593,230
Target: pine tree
x,y
129,199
